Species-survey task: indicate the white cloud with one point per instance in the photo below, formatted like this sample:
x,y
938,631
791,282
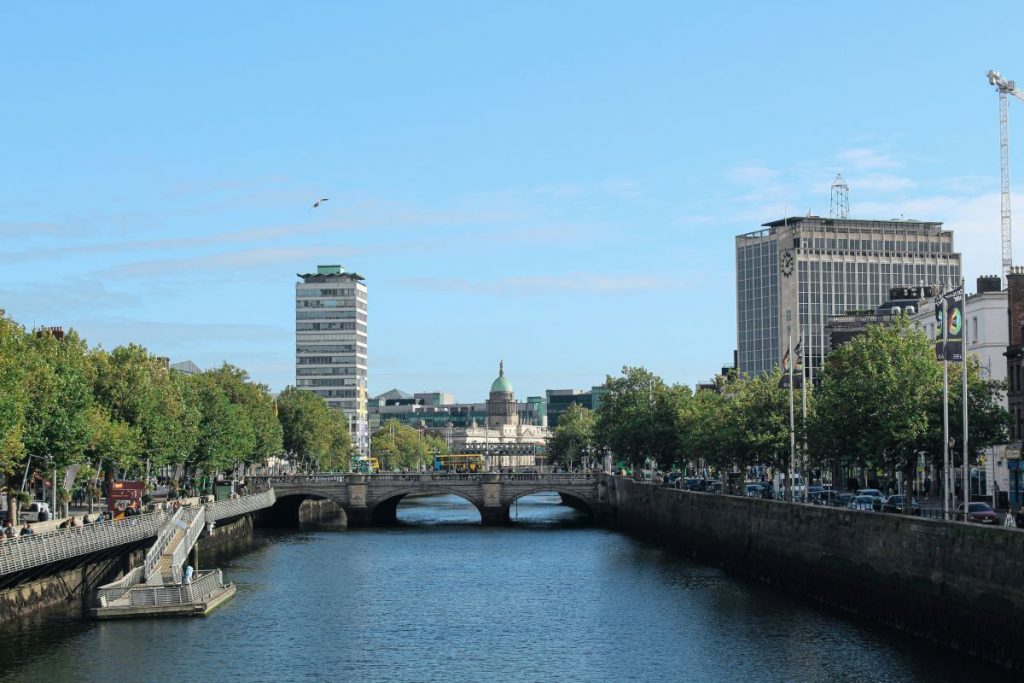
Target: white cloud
x,y
866,159
547,284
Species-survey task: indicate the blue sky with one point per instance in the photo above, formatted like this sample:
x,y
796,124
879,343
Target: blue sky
x,y
553,183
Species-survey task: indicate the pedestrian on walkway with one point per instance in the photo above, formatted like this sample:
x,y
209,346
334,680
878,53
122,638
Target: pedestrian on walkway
x,y
27,530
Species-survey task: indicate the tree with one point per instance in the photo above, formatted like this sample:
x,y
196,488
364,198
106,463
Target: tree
x,y
308,427
762,426
876,399
59,393
13,403
255,402
987,421
225,433
138,389
640,417
400,446
573,438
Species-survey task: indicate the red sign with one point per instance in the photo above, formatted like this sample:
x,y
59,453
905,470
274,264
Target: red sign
x,y
122,494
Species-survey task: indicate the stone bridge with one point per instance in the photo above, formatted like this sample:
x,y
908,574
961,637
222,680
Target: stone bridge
x,y
374,498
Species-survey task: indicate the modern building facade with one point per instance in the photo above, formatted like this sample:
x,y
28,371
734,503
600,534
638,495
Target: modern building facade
x,y
331,343
559,401
796,273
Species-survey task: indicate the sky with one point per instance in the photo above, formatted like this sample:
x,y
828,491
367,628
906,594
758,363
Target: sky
x,y
555,184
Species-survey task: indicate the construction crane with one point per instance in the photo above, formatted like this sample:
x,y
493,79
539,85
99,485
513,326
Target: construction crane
x,y
1004,88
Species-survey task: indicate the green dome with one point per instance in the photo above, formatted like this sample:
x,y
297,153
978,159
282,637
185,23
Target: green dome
x,y
501,385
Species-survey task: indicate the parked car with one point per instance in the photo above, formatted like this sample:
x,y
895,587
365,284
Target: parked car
x,y
36,511
875,494
894,504
843,500
979,513
755,491
823,498
866,503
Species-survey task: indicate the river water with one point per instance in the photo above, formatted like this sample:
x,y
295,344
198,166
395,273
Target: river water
x,y
440,598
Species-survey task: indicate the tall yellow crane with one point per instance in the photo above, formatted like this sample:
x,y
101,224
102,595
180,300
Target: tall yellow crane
x,y
1004,88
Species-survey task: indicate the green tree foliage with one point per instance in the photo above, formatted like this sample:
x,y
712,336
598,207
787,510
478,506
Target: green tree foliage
x,y
399,446
573,438
13,395
987,421
312,430
876,401
59,397
641,417
138,389
258,408
225,433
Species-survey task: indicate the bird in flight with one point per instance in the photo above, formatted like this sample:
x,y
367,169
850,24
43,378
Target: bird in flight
x,y
318,202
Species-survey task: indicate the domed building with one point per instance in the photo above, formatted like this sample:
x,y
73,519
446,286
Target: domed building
x,y
503,440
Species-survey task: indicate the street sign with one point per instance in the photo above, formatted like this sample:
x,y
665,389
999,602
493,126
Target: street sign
x,y
1009,522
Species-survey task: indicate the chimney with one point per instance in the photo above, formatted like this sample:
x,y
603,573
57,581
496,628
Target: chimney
x,y
989,283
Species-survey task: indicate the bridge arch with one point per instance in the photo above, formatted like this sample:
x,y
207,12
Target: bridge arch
x,y
284,513
384,511
575,500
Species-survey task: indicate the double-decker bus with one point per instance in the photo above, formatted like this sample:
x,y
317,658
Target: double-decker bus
x,y
461,462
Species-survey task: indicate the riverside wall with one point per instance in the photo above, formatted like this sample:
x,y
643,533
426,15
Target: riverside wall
x,y
958,585
69,590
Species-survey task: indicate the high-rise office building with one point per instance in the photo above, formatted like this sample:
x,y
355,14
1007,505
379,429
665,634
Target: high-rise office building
x,y
330,343
796,272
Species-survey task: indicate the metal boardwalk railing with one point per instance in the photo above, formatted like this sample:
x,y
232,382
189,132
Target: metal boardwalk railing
x,y
26,552
240,506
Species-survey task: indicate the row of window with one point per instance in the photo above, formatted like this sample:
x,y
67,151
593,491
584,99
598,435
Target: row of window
x,y
317,327
325,303
319,292
890,246
330,315
331,348
331,370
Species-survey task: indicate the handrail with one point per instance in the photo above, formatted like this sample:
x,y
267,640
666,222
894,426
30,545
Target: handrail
x,y
25,552
162,539
184,547
240,506
308,479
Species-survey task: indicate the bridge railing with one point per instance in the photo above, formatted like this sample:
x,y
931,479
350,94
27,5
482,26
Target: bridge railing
x,y
239,506
554,478
25,552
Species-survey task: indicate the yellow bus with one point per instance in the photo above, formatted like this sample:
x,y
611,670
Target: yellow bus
x,y
461,462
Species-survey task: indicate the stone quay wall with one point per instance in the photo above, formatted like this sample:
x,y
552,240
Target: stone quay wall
x,y
70,590
959,585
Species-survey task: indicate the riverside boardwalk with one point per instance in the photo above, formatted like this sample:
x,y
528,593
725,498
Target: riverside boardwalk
x,y
159,585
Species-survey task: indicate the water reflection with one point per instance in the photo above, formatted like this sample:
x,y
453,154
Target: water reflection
x,y
441,598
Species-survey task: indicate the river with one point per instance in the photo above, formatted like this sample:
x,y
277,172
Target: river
x,y
440,598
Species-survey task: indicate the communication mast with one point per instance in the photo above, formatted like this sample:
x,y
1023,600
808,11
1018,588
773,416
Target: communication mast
x,y
839,206
1004,88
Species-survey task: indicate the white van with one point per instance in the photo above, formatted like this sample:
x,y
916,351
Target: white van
x,y
36,511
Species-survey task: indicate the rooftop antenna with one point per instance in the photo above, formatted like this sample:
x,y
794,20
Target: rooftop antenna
x,y
839,206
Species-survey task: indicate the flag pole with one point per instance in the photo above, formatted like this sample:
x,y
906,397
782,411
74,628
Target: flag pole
x,y
803,398
966,474
792,420
945,413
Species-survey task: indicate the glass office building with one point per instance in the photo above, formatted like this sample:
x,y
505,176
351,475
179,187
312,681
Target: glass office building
x,y
795,273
